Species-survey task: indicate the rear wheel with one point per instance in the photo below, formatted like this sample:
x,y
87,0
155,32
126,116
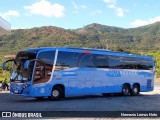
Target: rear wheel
x,y
125,90
57,93
135,90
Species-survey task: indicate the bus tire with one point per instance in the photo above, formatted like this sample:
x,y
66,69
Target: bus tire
x,y
57,94
135,90
126,90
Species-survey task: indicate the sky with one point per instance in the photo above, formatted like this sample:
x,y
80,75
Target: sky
x,y
73,14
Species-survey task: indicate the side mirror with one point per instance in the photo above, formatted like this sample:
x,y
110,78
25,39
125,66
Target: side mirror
x,y
4,65
26,64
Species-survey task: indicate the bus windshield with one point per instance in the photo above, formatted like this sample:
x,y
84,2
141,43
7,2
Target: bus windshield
x,y
19,74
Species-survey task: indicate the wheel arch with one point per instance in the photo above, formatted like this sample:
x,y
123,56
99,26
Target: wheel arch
x,y
126,84
60,86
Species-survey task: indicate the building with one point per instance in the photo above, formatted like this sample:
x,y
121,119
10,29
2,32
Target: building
x,y
5,27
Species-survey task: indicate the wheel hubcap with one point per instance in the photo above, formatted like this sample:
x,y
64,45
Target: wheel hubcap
x,y
125,90
55,93
135,90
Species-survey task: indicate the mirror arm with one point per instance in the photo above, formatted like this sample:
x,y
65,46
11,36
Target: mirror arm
x,y
4,63
11,60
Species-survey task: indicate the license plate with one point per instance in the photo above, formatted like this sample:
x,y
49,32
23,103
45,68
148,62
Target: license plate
x,y
16,91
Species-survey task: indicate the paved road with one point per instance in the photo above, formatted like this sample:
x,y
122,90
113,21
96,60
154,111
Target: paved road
x,y
144,102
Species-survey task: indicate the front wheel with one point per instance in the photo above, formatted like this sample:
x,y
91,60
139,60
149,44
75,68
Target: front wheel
x,y
56,94
125,90
135,90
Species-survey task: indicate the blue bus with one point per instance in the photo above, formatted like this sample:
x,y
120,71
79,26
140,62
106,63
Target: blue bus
x,y
60,72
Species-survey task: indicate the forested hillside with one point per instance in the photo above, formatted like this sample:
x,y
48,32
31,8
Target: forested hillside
x,y
141,40
94,35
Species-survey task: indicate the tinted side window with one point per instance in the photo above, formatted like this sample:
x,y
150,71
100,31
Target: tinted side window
x,y
84,60
144,64
134,63
101,61
44,67
115,62
149,64
130,63
66,60
47,57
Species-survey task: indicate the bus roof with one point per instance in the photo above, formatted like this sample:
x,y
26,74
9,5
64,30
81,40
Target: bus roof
x,y
92,50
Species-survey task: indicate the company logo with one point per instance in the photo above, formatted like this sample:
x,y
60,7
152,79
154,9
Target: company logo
x,y
6,114
113,73
19,114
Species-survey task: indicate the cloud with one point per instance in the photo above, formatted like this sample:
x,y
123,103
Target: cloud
x,y
78,7
139,22
112,4
45,8
120,12
96,12
9,13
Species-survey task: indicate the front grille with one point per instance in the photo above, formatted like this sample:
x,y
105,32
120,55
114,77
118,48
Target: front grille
x,y
149,83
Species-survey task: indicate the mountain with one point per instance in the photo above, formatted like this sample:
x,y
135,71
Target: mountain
x,y
35,37
94,35
152,29
99,29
